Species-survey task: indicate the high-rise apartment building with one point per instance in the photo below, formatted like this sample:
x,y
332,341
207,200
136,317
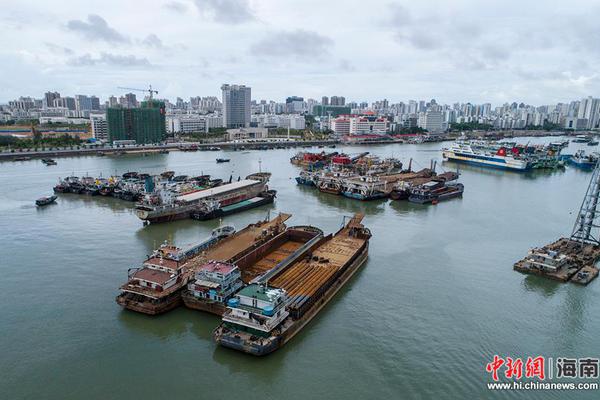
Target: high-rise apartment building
x,y
236,106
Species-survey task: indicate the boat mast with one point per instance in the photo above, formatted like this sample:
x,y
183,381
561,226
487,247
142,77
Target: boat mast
x,y
588,215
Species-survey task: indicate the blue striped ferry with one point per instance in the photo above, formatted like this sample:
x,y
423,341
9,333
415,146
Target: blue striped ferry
x,y
486,157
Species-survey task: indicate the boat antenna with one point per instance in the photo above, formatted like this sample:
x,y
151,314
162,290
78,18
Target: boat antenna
x,y
259,165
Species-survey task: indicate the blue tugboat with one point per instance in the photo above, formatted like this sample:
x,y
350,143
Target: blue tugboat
x,y
584,161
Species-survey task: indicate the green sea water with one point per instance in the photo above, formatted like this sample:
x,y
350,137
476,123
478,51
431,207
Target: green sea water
x,y
433,304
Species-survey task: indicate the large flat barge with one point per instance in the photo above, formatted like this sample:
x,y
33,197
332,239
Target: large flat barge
x,y
156,287
270,311
209,291
564,260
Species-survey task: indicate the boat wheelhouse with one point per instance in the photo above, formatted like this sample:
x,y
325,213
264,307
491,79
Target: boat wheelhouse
x,y
214,283
256,310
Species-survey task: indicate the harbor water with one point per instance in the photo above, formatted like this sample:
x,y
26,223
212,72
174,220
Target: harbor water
x,y
435,301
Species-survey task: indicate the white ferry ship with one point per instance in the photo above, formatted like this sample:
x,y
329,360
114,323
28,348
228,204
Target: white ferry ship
x,y
486,157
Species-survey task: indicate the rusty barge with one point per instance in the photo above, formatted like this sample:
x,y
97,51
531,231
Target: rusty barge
x,y
156,287
278,303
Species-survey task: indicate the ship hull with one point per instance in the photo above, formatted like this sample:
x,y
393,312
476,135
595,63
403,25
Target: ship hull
x,y
213,307
149,306
360,196
183,212
264,198
489,162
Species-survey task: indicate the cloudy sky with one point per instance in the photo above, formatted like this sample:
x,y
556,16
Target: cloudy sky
x,y
538,52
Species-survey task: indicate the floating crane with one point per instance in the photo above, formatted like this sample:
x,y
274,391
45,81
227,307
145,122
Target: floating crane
x,y
150,91
589,215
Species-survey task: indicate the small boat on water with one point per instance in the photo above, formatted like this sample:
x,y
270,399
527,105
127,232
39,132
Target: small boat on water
x,y
222,160
364,188
22,158
306,178
48,161
593,142
583,160
582,139
434,192
44,201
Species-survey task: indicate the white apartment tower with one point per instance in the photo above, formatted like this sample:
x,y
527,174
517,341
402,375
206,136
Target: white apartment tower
x,y
236,106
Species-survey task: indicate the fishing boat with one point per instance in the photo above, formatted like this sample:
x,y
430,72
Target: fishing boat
x,y
331,185
368,187
222,160
486,157
306,178
44,201
49,161
434,192
593,142
584,161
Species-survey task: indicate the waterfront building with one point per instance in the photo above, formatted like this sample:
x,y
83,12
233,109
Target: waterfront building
x,y
369,124
236,106
99,127
190,123
431,120
234,134
144,125
341,125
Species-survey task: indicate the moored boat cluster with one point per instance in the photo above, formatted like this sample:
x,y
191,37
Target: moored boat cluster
x,y
266,281
168,197
365,177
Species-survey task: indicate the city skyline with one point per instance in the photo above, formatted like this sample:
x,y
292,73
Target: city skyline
x,y
511,51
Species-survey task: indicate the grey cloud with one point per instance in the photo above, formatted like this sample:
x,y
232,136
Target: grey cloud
x,y
226,11
298,43
59,49
110,60
346,66
152,41
463,42
176,6
96,28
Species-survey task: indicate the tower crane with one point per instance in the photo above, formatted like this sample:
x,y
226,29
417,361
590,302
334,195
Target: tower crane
x,y
150,91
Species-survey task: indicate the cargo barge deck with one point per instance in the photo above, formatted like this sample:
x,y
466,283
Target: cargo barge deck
x,y
277,305
209,292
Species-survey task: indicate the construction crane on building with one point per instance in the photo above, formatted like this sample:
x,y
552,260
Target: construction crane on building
x,y
150,91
